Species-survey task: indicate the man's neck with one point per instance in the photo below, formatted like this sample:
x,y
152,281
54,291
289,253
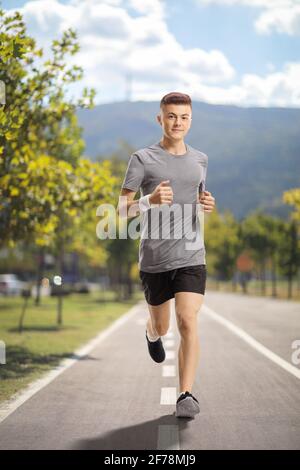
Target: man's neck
x,y
176,147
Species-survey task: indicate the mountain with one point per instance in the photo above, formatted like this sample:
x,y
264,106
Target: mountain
x,y
253,153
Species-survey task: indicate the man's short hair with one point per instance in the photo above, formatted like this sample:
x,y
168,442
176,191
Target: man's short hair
x,y
175,98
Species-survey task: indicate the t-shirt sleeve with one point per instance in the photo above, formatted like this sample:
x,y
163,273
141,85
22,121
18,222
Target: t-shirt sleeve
x,y
134,174
202,184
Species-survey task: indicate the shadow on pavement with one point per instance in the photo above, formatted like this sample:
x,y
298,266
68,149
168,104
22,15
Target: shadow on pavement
x,y
43,328
138,437
21,361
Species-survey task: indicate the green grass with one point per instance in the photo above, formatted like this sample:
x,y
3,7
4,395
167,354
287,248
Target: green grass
x,y
42,344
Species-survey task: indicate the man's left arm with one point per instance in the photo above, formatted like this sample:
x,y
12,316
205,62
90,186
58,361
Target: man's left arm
x,y
207,200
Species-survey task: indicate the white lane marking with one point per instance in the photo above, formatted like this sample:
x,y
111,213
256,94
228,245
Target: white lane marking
x,y
11,405
141,321
252,342
169,371
170,354
168,437
168,396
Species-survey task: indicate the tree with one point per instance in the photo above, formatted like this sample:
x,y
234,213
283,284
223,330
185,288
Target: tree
x,y
289,254
291,266
292,197
222,242
45,184
256,239
121,254
38,126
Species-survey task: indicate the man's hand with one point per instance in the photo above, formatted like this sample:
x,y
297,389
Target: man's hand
x,y
162,194
207,200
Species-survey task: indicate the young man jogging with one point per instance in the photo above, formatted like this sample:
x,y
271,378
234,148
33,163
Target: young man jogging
x,y
171,176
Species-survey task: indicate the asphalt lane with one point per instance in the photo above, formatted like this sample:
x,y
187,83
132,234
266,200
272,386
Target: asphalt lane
x,y
111,398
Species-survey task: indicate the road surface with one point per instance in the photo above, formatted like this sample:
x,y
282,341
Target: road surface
x,y
116,397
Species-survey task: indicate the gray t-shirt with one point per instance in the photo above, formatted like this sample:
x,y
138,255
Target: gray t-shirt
x,y
171,235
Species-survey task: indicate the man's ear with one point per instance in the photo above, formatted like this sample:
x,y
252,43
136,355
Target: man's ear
x,y
158,118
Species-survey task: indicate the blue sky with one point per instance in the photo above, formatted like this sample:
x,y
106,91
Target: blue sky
x,y
244,52
231,29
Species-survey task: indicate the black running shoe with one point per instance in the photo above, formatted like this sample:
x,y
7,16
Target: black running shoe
x,y
156,350
187,406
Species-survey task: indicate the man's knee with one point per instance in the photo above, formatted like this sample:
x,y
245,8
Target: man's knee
x,y
160,316
187,321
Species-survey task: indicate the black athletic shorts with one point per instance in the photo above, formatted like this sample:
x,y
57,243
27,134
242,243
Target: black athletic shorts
x,y
160,287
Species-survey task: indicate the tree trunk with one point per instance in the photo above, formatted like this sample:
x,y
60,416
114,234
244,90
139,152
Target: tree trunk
x,y
59,308
21,321
274,283
118,285
40,275
129,286
263,278
290,286
244,283
61,288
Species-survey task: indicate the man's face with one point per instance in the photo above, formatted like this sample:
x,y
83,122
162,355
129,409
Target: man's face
x,y
175,120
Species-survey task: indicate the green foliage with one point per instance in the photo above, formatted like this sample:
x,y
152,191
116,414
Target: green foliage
x,y
46,185
222,241
270,241
292,197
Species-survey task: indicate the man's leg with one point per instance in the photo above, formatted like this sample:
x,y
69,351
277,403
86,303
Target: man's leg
x,y
187,305
159,321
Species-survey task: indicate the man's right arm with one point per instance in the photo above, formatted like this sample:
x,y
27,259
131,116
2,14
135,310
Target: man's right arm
x,y
126,202
130,207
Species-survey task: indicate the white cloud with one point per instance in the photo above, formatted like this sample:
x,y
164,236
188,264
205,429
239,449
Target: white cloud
x,y
281,16
255,3
278,89
148,7
116,45
275,89
281,20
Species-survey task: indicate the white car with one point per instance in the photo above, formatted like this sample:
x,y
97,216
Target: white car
x,y
10,284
